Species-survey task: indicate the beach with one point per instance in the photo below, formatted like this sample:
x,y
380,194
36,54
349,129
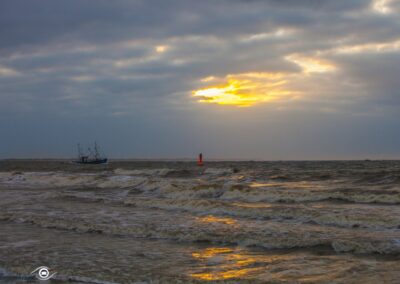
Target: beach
x,y
225,222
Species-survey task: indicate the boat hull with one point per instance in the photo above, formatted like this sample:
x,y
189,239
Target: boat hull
x,y
92,162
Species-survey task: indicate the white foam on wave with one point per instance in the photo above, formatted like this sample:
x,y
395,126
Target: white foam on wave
x,y
213,185
219,230
60,179
20,244
143,172
259,194
327,215
218,171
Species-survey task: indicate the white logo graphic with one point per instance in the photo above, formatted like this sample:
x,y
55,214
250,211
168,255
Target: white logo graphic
x,y
43,273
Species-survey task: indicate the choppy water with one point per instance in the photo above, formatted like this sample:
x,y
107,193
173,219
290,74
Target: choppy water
x,y
168,222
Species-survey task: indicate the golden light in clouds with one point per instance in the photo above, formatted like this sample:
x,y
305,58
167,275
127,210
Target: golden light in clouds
x,y
225,95
208,79
393,46
4,71
381,6
311,64
279,33
249,89
244,90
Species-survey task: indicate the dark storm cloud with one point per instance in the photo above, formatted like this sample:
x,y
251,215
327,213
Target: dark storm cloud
x,y
139,60
37,22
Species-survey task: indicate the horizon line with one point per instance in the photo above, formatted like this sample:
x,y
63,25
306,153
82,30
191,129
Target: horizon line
x,y
207,160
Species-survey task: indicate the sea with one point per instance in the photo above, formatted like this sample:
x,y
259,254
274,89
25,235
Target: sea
x,y
176,222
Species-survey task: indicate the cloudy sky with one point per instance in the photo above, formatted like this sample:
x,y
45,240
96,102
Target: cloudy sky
x,y
234,79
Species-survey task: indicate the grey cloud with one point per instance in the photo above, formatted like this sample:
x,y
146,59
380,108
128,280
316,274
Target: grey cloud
x,y
69,56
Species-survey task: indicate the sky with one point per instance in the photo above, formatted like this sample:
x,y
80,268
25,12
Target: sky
x,y
234,79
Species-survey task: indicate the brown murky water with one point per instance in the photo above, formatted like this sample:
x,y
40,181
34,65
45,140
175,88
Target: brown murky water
x,y
169,222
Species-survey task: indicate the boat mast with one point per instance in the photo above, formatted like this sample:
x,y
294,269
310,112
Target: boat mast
x,y
96,151
79,151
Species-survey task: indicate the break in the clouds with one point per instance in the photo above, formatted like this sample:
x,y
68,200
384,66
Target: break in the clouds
x,y
287,79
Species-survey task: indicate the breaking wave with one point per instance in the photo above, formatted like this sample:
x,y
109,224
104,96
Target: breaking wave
x,y
217,230
245,206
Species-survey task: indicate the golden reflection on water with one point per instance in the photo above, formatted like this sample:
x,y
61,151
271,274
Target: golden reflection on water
x,y
226,263
301,184
222,275
221,263
214,219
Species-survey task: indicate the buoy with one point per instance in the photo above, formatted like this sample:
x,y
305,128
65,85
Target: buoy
x,y
200,160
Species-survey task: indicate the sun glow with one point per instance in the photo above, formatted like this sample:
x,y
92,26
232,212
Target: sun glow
x,y
161,48
226,95
244,90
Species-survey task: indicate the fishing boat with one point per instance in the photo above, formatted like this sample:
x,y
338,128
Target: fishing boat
x,y
91,157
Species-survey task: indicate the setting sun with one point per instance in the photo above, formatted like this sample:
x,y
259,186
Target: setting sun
x,y
226,95
244,90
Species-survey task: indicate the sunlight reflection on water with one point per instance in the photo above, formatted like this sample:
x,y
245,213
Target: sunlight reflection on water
x,y
223,263
214,219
